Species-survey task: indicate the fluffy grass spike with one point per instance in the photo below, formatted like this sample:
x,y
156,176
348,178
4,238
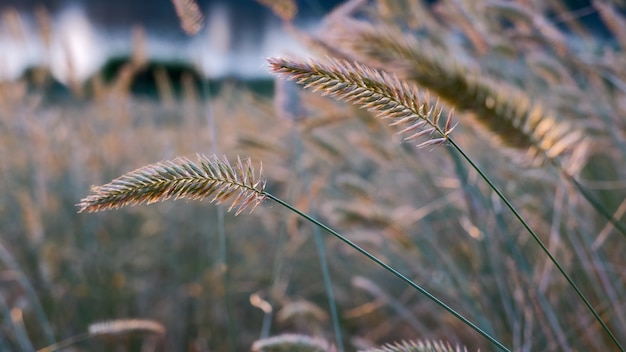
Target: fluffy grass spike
x,y
373,89
190,16
510,116
206,177
107,329
418,346
291,342
126,326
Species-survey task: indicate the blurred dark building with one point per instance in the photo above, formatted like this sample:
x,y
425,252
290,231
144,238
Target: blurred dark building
x,y
237,35
158,15
236,38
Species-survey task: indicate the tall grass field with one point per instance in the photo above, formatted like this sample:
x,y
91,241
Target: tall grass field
x,y
429,176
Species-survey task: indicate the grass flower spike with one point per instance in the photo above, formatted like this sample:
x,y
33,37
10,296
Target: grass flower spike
x,y
190,16
181,178
512,118
373,89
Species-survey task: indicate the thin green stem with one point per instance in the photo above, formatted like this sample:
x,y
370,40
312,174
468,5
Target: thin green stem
x,y
390,269
9,261
321,251
221,230
225,271
70,341
540,242
319,242
593,201
18,327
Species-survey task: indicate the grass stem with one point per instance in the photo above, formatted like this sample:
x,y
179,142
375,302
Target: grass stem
x,y
540,243
391,270
319,242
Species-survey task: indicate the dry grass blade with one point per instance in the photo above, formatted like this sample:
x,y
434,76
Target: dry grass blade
x,y
418,346
120,328
375,90
615,21
181,178
285,9
126,326
291,342
190,16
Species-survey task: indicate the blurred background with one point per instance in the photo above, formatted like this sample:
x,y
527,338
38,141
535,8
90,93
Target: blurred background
x,y
238,35
92,89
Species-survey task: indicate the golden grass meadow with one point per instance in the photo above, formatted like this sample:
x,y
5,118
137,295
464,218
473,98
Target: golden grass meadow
x,y
434,176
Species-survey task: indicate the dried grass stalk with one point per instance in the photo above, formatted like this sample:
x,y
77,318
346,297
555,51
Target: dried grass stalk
x,y
291,342
190,16
373,89
45,25
126,326
418,346
181,178
615,21
285,9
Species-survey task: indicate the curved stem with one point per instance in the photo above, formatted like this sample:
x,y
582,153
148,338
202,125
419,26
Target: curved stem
x,y
540,243
391,270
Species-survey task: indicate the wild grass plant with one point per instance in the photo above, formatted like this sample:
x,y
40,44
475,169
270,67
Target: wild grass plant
x,y
524,95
